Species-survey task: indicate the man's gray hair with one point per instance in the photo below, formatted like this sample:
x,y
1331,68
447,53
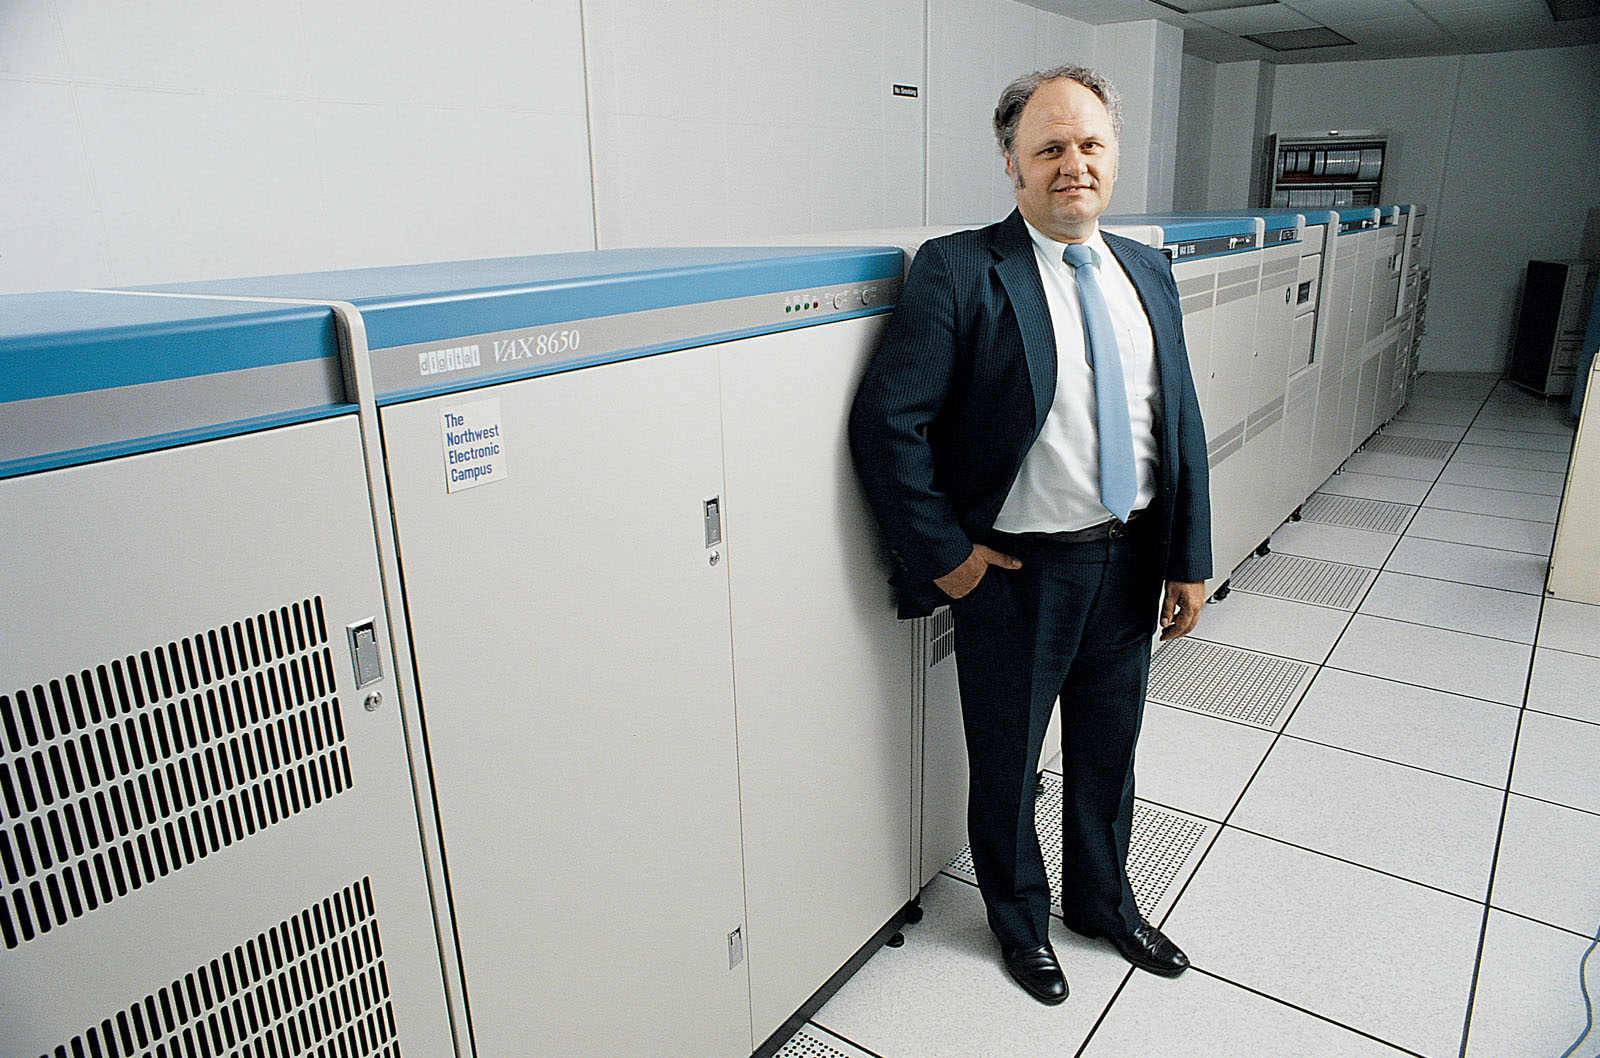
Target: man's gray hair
x,y
1008,112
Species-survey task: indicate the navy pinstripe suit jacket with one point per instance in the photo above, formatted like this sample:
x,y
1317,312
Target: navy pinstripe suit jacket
x,y
959,388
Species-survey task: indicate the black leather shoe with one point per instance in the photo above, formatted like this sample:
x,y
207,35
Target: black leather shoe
x,y
1148,949
1037,971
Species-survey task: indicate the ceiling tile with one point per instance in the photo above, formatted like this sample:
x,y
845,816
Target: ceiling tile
x,y
1398,29
1330,12
1256,19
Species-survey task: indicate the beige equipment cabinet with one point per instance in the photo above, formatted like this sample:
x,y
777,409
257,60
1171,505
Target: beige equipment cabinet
x,y
662,679
1575,560
208,839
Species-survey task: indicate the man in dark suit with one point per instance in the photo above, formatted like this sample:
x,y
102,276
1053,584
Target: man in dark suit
x,y
1028,438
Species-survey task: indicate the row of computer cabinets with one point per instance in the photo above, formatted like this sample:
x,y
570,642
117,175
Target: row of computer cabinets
x,y
493,658
490,658
1301,331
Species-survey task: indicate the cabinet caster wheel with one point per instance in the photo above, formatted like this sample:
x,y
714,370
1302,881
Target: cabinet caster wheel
x,y
913,914
1264,548
1221,593
896,941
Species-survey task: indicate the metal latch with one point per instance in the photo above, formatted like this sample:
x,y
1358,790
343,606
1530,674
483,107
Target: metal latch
x,y
713,514
364,651
735,948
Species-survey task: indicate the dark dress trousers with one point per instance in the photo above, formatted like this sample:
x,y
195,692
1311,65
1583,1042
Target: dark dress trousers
x,y
951,402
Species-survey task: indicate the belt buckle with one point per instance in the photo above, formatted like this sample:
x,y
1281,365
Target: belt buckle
x,y
1118,530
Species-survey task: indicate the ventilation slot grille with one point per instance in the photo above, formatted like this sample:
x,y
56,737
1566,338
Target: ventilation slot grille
x,y
941,632
1416,447
812,1042
1162,842
312,985
115,777
1310,580
1224,681
1352,513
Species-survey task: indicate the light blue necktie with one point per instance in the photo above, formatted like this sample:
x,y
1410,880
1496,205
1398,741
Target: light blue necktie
x,y
1118,482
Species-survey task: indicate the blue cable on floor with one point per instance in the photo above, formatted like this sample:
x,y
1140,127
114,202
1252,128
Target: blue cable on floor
x,y
1588,1005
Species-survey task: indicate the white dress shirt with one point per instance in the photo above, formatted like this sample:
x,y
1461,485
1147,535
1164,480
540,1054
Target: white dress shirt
x,y
1058,486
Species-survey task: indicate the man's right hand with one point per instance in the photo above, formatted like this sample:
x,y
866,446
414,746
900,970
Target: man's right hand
x,y
965,577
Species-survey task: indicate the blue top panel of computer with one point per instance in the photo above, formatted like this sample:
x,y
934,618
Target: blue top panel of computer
x,y
88,375
1178,227
77,341
410,304
1272,220
1192,236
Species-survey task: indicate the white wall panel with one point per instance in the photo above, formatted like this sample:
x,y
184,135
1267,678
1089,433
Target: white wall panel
x,y
189,140
52,233
1144,59
976,48
727,121
1197,95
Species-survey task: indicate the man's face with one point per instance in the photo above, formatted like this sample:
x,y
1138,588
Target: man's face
x,y
1063,160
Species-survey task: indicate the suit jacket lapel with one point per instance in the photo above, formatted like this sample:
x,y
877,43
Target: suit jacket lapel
x,y
1019,275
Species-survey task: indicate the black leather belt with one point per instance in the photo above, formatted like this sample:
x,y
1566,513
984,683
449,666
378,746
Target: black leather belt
x,y
1107,530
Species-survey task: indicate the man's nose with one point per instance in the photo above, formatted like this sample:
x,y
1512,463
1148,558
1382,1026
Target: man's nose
x,y
1073,163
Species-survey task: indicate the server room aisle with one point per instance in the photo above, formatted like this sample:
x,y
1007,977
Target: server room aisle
x,y
1368,806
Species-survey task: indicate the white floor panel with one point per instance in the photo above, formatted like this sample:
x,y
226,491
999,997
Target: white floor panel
x,y
1518,458
1425,827
1551,419
1543,442
1483,530
1377,487
1511,479
1528,506
1572,626
1488,567
1549,860
1465,737
1195,763
1198,1014
1475,666
1481,611
1458,385
1450,411
1556,761
1529,999
1382,955
1565,684
1383,464
946,994
1334,543
1432,431
1283,627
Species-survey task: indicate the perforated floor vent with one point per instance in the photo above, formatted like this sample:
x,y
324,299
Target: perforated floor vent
x,y
1224,681
115,777
812,1042
1161,844
313,985
1299,579
1355,513
1416,447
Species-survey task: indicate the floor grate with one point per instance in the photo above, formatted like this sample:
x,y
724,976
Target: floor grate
x,y
811,1042
1224,681
1417,447
1299,579
1161,844
1355,513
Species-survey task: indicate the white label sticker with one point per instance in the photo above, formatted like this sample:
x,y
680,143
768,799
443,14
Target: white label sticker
x,y
474,444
